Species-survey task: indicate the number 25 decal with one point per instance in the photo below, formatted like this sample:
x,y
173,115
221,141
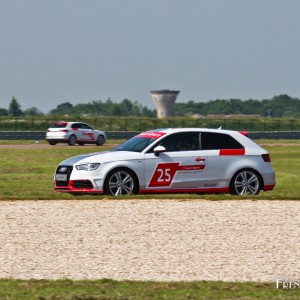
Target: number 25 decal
x,y
164,175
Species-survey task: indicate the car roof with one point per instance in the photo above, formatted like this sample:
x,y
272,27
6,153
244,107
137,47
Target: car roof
x,y
173,130
66,122
241,136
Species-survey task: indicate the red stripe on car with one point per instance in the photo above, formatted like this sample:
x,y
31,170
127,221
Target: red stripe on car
x,y
183,190
224,152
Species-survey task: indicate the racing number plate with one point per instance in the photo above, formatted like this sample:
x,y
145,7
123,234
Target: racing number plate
x,y
61,177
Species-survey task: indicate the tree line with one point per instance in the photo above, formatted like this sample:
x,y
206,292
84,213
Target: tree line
x,y
278,106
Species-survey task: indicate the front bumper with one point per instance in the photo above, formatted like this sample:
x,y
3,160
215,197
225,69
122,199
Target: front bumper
x,y
76,186
63,182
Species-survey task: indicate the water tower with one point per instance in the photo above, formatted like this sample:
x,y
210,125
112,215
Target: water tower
x,y
164,101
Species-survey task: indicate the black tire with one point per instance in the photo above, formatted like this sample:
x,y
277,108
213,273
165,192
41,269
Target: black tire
x,y
246,182
100,140
52,143
72,140
121,181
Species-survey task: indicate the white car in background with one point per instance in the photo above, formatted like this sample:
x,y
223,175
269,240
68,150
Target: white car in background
x,y
182,160
74,133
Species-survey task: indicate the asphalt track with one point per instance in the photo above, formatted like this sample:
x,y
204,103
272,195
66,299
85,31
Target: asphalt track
x,y
47,146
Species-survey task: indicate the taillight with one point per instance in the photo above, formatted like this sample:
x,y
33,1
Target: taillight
x,y
266,157
63,130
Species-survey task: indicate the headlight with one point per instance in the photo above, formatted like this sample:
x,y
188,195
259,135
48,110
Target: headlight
x,y
87,167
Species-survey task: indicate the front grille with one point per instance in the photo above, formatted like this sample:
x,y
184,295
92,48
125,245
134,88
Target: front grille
x,y
61,183
63,170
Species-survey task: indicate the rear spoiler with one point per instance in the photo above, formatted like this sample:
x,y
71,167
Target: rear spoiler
x,y
245,133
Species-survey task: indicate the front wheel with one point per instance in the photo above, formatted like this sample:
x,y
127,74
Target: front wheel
x,y
121,182
245,182
52,143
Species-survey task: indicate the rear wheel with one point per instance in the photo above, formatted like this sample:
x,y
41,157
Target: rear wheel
x,y
72,140
100,140
245,182
121,182
52,143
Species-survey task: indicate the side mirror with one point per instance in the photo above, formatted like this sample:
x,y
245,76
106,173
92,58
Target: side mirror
x,y
159,149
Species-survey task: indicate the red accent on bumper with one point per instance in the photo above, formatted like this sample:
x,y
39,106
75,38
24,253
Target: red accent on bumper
x,y
71,189
269,187
83,191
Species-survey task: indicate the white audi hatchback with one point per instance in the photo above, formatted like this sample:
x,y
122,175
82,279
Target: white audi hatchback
x,y
181,160
74,133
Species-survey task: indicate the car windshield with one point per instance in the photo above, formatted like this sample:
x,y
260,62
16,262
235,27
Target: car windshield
x,y
135,144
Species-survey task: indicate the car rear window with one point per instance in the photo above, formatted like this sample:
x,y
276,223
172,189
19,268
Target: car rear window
x,y
59,125
215,141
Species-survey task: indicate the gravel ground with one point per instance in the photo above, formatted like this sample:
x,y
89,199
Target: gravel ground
x,y
150,240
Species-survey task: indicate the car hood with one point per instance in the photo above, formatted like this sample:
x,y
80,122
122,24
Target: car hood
x,y
102,157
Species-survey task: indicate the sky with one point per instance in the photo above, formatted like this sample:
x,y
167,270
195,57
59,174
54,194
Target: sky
x,y
78,51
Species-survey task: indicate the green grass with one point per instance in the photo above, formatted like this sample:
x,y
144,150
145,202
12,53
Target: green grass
x,y
27,173
106,289
286,163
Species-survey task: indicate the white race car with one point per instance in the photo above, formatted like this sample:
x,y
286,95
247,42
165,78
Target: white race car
x,y
74,132
181,160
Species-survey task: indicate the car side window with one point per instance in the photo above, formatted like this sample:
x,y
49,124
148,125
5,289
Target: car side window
x,y
76,126
85,126
182,141
215,141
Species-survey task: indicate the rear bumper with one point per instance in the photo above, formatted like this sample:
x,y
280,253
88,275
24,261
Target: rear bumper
x,y
269,187
269,180
57,140
56,135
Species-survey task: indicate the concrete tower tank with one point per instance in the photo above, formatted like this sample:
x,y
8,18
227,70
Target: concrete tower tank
x,y
164,101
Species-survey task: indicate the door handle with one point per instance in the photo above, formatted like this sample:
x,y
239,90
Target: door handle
x,y
200,159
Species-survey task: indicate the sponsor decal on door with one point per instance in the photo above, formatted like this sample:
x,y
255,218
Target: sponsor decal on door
x,y
164,173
